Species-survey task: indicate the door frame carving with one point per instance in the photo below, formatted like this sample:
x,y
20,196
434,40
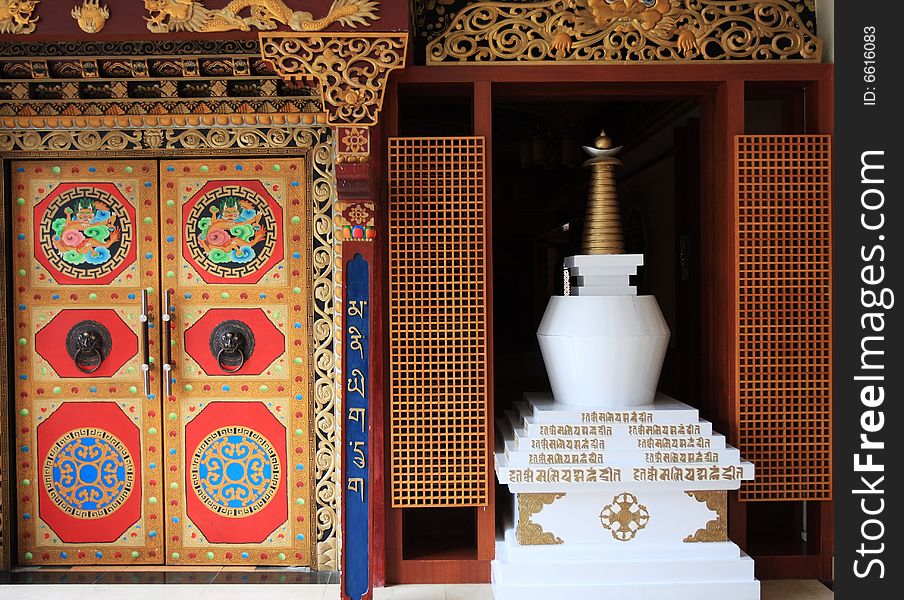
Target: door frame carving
x,y
316,143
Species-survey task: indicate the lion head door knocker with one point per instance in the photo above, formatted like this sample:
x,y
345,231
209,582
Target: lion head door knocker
x,y
232,343
88,343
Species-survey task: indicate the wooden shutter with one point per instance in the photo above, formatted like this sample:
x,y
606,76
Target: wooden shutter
x,y
439,424
784,338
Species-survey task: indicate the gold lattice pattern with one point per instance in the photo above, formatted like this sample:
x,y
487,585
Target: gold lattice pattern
x,y
784,337
438,322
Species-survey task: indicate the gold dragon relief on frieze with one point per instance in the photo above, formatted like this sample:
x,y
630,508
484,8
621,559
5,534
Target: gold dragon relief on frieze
x,y
166,16
16,16
626,30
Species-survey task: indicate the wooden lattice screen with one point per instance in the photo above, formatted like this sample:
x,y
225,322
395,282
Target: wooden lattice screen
x,y
438,322
784,238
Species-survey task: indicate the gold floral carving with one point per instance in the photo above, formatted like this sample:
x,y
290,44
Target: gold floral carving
x,y
352,69
716,529
16,16
191,15
626,31
355,140
529,533
624,517
91,16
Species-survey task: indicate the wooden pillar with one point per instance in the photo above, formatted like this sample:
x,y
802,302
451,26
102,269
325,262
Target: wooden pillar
x,y
727,114
820,119
385,568
483,126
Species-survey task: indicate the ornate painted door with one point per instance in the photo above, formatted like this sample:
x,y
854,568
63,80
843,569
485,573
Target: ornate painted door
x,y
88,440
207,463
235,265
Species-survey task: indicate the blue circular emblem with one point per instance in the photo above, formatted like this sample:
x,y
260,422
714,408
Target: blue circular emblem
x,y
235,471
88,473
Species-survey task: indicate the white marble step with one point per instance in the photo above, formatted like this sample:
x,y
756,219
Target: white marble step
x,y
603,261
549,554
622,272
523,443
630,571
633,457
603,290
665,409
588,279
705,476
533,429
693,590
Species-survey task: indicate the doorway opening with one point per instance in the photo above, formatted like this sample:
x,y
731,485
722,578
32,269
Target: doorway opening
x,y
539,195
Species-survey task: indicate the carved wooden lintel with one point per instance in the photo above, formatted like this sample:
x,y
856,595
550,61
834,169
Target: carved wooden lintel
x,y
352,69
526,32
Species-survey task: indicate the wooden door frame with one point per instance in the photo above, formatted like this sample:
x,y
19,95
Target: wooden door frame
x,y
321,136
720,91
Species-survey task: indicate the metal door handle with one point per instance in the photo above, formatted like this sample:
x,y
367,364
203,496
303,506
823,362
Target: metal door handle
x,y
167,347
145,344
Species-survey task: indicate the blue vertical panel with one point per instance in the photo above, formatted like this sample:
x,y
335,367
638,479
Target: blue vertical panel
x,y
356,547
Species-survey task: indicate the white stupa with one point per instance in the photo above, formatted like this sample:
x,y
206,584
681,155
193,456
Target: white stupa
x,y
620,491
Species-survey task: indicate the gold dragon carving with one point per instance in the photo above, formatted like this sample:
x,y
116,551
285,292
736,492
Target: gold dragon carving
x,y
626,30
191,15
16,16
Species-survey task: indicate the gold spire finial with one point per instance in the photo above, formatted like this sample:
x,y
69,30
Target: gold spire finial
x,y
602,224
602,141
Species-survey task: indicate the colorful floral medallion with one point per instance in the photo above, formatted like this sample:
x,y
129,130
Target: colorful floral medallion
x,y
235,471
85,233
88,473
231,231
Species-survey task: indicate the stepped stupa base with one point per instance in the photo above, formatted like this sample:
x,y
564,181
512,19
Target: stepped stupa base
x,y
618,503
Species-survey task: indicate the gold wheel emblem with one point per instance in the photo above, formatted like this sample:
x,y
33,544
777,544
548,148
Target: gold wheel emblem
x,y
624,517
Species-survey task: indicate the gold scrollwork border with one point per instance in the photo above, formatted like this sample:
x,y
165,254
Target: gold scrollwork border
x,y
529,533
326,292
716,529
593,31
5,480
352,68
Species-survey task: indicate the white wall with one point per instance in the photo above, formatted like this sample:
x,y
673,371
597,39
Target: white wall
x,y
825,27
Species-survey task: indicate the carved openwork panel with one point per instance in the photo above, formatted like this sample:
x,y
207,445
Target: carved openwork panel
x,y
351,69
626,31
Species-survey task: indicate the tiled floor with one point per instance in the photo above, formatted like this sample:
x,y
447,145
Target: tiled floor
x,y
772,590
